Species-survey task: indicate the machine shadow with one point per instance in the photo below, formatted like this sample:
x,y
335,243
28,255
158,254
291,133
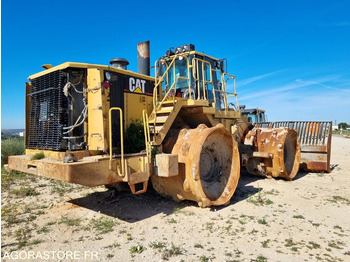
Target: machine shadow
x,y
243,190
128,207
300,175
333,166
133,208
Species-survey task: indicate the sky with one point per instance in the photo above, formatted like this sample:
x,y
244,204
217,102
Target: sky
x,y
291,58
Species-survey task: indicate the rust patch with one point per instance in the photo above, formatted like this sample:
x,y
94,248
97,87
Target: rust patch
x,y
314,166
208,169
276,152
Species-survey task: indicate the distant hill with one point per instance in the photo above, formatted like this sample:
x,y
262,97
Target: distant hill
x,y
11,132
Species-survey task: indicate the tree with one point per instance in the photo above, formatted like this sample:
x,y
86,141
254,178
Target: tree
x,y
10,147
343,125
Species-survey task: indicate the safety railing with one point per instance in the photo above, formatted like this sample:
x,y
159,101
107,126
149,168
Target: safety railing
x,y
147,134
172,89
158,84
204,82
202,75
121,139
226,78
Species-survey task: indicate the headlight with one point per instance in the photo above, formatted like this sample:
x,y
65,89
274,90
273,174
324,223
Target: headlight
x,y
108,76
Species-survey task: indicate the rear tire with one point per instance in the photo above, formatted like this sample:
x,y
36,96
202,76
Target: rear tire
x,y
209,167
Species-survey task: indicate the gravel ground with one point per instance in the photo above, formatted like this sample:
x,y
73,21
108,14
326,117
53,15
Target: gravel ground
x,y
267,220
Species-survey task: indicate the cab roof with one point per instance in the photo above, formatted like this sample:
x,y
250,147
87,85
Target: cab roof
x,y
85,65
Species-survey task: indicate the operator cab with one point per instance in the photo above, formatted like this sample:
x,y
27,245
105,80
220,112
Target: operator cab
x,y
185,73
255,115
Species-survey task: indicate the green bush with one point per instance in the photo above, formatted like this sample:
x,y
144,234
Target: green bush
x,y
134,139
11,147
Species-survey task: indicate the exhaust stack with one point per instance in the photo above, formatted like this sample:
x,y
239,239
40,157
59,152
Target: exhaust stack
x,y
143,58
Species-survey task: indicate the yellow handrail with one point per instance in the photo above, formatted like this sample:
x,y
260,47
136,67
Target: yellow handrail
x,y
233,77
227,94
121,139
155,92
195,62
147,133
158,81
197,65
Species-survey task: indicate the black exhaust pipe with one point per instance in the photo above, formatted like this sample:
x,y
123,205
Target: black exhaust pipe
x,y
143,58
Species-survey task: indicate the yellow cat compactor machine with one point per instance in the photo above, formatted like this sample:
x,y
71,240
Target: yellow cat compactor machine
x,y
101,125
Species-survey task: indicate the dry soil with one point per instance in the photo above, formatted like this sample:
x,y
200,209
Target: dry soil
x,y
307,219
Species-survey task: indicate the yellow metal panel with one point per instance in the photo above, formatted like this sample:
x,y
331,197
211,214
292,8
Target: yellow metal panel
x,y
202,54
134,105
191,102
97,126
227,114
47,153
90,172
93,66
136,164
59,155
197,53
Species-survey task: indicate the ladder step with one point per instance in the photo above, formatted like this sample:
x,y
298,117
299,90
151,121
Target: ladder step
x,y
158,128
166,109
161,119
170,102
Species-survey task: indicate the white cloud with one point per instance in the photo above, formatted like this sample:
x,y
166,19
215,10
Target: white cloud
x,y
291,86
255,78
342,24
338,24
313,99
322,85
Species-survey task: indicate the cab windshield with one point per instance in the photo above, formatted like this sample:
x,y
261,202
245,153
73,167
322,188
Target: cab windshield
x,y
191,77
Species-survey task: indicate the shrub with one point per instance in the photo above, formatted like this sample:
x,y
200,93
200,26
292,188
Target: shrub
x,y
11,147
38,156
134,140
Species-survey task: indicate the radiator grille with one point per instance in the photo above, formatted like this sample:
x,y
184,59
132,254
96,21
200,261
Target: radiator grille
x,y
48,112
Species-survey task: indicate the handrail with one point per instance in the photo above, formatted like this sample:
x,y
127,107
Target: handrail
x,y
160,104
121,139
233,77
195,61
174,82
160,80
199,75
147,133
227,94
155,92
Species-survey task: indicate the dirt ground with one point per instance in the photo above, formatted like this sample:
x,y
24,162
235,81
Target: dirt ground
x,y
307,219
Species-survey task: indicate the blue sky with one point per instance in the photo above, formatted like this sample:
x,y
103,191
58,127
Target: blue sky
x,y
291,58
